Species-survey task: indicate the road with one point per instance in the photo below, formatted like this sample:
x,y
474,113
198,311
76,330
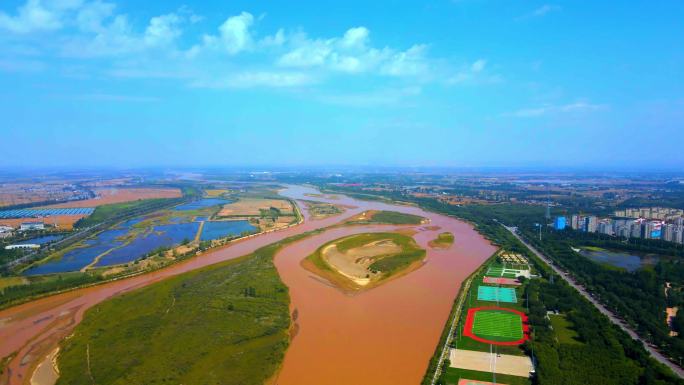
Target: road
x,y
614,319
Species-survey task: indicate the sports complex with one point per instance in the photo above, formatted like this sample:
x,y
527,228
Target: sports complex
x,y
493,325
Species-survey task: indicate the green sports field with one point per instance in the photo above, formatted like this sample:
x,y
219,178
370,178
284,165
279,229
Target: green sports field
x,y
501,271
498,325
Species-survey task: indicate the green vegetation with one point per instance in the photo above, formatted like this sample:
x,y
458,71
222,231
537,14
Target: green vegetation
x,y
223,324
40,285
443,240
6,282
118,211
319,210
395,218
563,329
387,218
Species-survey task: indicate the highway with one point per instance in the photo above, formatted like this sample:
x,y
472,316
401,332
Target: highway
x,y
614,319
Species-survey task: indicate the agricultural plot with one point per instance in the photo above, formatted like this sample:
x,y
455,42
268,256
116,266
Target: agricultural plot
x,y
496,294
110,195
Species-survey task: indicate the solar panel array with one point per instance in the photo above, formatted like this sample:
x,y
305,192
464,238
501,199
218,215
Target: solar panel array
x,y
30,213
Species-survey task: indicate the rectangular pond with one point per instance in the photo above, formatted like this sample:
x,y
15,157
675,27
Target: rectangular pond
x,y
45,239
202,203
221,229
78,258
161,236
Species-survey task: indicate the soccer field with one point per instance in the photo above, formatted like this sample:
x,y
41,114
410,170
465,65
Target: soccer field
x,y
496,294
498,325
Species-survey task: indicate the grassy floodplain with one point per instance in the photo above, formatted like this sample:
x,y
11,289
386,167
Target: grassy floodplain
x,y
443,241
386,266
223,324
386,218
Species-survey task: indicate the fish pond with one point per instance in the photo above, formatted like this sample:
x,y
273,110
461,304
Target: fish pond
x,y
202,204
45,239
221,229
629,261
136,238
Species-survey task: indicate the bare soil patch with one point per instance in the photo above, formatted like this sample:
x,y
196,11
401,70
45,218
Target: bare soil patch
x,y
254,207
119,195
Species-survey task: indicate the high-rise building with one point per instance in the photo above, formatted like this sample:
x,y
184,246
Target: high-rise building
x,y
647,229
667,232
560,223
635,230
605,227
623,231
678,235
575,222
590,224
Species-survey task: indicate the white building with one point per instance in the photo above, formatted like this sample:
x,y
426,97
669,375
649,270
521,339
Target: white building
x,y
26,246
32,226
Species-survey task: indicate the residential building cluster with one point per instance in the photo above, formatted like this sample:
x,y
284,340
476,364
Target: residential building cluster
x,y
657,224
662,213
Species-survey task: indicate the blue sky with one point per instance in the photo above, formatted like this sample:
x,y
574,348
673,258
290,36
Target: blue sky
x,y
411,83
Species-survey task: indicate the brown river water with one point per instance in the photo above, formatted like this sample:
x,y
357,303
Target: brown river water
x,y
385,335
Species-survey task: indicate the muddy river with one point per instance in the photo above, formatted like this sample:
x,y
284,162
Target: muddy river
x,y
382,336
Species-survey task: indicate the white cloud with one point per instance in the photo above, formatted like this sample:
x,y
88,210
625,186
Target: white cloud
x,y
541,11
577,107
475,73
113,35
309,54
162,30
249,79
276,40
409,62
355,38
31,17
352,53
544,9
478,65
84,29
234,33
383,97
91,16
